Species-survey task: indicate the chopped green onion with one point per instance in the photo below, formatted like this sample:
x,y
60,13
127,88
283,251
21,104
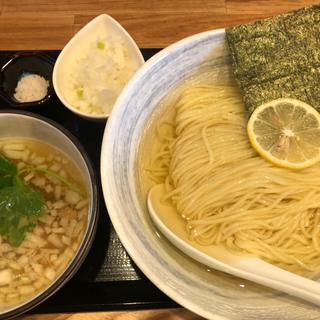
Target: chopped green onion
x,y
100,45
80,93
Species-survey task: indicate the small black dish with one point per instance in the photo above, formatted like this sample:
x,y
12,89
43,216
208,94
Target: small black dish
x,y
16,66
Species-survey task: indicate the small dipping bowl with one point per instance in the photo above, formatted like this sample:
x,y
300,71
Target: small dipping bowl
x,y
23,124
22,64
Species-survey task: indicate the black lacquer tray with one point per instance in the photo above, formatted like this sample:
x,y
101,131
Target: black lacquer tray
x,y
108,279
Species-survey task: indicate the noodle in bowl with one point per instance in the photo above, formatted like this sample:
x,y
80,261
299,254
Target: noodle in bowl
x,y
130,142
225,193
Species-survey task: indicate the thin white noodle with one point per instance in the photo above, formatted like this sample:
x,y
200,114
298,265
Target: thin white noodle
x,y
228,194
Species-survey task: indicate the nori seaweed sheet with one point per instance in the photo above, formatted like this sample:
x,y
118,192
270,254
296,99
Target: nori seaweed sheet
x,y
278,57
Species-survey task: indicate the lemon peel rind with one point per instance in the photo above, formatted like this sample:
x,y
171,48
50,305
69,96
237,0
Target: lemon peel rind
x,y
264,153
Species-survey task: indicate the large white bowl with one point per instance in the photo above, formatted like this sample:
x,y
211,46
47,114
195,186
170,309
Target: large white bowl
x,y
209,293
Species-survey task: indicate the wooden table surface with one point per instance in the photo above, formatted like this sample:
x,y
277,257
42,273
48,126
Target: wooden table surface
x,y
49,24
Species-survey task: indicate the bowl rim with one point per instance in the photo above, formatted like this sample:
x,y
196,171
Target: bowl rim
x,y
88,237
68,47
106,165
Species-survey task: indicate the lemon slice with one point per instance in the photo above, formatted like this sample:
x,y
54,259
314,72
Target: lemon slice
x,y
286,132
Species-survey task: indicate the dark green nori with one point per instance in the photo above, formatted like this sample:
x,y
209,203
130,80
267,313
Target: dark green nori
x,y
278,57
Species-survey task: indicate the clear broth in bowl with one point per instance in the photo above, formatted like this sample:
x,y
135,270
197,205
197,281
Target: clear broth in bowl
x,y
28,268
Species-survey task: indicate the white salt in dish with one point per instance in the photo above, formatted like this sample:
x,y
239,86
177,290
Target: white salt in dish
x,y
94,67
30,88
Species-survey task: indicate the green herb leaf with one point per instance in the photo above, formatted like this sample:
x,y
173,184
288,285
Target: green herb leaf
x,y
6,181
55,175
6,166
20,207
16,236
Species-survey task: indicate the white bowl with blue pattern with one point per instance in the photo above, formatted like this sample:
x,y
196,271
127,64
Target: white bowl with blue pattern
x,y
209,293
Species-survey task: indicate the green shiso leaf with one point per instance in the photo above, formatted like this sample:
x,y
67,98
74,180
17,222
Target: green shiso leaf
x,y
6,166
6,181
20,204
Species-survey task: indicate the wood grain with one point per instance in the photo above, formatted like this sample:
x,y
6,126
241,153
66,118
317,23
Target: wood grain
x,y
269,7
49,24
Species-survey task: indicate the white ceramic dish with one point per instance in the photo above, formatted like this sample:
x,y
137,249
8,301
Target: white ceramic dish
x,y
207,292
102,24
